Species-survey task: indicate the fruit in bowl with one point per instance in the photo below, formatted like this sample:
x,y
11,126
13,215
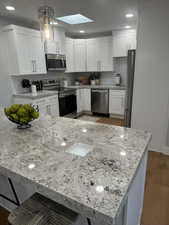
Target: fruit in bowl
x,y
22,114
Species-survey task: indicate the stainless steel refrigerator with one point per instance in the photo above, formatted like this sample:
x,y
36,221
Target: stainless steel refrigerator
x,y
130,86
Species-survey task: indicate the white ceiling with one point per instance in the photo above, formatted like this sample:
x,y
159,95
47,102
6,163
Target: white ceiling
x,y
107,14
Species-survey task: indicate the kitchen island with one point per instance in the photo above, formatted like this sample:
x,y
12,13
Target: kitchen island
x,y
94,169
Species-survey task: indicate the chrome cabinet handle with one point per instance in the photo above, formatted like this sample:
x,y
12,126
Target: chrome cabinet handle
x,y
32,66
35,66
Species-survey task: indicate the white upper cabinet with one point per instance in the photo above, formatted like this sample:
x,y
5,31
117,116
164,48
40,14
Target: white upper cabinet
x,y
123,41
25,51
99,54
92,54
80,55
105,53
70,55
58,45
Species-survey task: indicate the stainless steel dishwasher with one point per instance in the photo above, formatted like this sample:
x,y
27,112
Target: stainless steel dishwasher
x,y
100,101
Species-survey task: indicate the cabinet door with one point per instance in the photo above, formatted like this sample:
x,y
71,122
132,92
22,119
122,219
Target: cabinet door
x,y
79,100
41,103
80,55
60,39
54,110
23,54
50,47
120,46
105,53
30,53
93,58
69,55
52,105
123,41
116,103
132,42
37,55
86,95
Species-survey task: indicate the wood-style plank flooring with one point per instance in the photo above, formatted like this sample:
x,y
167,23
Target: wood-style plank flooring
x,y
3,217
156,201
101,119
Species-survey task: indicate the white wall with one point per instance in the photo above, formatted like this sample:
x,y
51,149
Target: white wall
x,y
151,89
5,82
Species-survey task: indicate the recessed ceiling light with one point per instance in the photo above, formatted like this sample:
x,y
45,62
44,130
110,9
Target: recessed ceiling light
x,y
10,8
129,15
82,31
54,23
127,27
75,19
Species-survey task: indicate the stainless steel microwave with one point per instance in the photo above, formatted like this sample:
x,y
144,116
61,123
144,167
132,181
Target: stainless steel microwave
x,y
55,62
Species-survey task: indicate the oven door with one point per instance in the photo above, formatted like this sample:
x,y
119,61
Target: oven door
x,y
67,104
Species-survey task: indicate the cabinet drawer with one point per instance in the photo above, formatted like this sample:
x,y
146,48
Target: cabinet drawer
x,y
52,99
22,101
117,92
40,101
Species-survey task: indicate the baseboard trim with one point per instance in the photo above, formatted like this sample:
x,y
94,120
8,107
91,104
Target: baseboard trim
x,y
164,150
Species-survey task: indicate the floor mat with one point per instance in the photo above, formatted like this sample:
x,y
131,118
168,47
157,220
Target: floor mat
x,y
111,121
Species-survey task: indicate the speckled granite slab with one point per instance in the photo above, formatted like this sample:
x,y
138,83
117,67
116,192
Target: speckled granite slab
x,y
40,94
111,87
94,185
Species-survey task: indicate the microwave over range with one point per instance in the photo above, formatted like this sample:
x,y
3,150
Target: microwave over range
x,y
55,62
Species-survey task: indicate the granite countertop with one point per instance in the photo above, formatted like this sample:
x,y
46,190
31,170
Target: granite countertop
x,y
98,86
40,94
94,185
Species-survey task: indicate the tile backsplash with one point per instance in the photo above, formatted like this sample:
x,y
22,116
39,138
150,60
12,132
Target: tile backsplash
x,y
16,80
120,66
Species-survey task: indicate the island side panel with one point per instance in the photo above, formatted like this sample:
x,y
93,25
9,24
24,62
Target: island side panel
x,y
136,195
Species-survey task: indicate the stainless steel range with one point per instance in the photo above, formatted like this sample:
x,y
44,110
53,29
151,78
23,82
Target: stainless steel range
x,y
67,97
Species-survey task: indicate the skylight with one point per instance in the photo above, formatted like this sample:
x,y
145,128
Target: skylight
x,y
75,19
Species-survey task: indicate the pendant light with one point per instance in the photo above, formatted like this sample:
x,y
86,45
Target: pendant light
x,y
46,19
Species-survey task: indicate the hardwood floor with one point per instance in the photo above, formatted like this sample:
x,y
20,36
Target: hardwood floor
x,y
3,217
112,121
156,200
101,119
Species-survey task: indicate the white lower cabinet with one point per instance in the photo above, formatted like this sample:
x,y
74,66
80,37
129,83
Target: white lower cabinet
x,y
83,100
117,102
46,105
86,95
79,100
